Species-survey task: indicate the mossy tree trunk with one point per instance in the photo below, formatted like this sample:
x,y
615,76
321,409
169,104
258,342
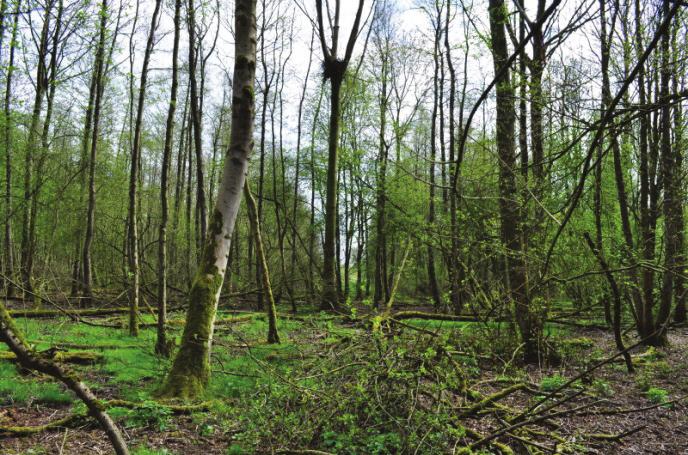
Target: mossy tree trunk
x,y
190,371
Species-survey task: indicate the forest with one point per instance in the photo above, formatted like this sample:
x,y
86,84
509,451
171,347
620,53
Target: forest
x,y
343,227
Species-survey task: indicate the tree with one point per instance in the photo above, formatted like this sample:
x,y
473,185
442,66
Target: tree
x,y
334,70
95,95
190,371
28,218
7,139
133,238
161,344
509,211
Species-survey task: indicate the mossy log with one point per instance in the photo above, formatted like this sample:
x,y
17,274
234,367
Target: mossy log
x,y
77,358
45,314
11,430
401,315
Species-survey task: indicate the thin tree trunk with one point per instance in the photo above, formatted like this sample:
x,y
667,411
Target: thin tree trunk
x,y
432,275
679,278
133,260
97,86
297,169
273,336
162,347
7,136
31,148
455,277
196,120
672,206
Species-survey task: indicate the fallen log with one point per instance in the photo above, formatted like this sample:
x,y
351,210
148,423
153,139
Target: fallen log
x,y
43,313
401,315
12,430
77,358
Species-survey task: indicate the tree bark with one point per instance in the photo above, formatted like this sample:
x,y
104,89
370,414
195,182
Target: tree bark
x,y
31,148
672,206
432,275
196,120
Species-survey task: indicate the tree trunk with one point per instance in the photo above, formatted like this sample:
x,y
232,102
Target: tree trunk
x,y
196,120
273,336
162,347
7,136
679,278
97,86
330,300
511,224
133,260
672,206
432,276
31,148
190,371
455,276
335,71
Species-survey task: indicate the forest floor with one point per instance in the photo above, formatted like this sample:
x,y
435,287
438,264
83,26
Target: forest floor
x,y
335,386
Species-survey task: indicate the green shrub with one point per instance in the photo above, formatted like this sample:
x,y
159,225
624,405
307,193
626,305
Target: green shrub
x,y
657,395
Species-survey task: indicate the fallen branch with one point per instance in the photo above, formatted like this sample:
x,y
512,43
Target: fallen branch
x,y
401,315
42,313
487,401
29,430
613,437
